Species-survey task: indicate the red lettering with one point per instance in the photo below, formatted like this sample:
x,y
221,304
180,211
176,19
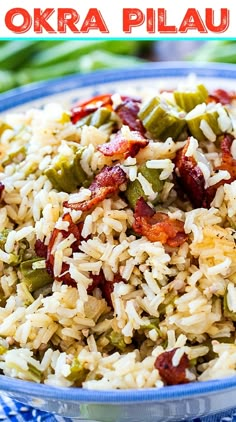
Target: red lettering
x,y
151,21
67,18
94,20
224,20
162,27
24,26
40,21
131,18
192,20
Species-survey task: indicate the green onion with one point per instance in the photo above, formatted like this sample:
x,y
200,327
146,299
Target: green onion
x,y
101,59
15,53
71,50
215,51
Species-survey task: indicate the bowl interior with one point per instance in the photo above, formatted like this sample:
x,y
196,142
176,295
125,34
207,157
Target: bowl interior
x,y
67,91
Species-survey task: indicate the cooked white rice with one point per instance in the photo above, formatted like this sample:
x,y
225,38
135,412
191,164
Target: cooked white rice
x,y
181,297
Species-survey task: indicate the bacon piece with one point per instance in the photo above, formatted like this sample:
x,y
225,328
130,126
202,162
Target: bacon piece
x,y
128,113
157,226
98,281
169,373
41,249
74,229
2,187
84,108
106,286
221,96
190,177
105,184
121,146
228,163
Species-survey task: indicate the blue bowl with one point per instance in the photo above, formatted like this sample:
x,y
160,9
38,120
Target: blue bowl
x,y
173,403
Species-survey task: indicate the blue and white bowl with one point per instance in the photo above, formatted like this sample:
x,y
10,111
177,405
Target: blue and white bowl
x,y
173,403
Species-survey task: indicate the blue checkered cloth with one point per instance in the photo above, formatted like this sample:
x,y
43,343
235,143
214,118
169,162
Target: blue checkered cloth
x,y
11,410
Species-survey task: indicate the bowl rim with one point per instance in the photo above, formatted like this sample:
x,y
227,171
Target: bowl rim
x,y
31,92
38,90
18,387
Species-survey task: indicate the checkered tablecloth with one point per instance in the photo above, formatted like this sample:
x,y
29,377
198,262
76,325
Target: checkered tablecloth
x,y
13,411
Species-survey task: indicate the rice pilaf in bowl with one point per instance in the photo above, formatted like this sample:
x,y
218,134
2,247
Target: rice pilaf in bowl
x,y
117,239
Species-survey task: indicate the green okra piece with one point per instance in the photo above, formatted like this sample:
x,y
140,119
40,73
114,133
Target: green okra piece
x,y
117,340
18,255
187,100
152,325
133,192
34,279
96,119
161,119
28,296
35,373
3,238
134,189
194,122
67,175
99,118
15,156
78,372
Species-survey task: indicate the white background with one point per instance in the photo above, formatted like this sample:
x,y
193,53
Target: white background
x,y
113,17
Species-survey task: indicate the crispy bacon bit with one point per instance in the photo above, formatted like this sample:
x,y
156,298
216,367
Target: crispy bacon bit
x,y
128,113
142,209
190,177
221,96
74,229
84,108
121,146
157,226
2,187
228,163
106,286
41,249
171,374
98,280
105,184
